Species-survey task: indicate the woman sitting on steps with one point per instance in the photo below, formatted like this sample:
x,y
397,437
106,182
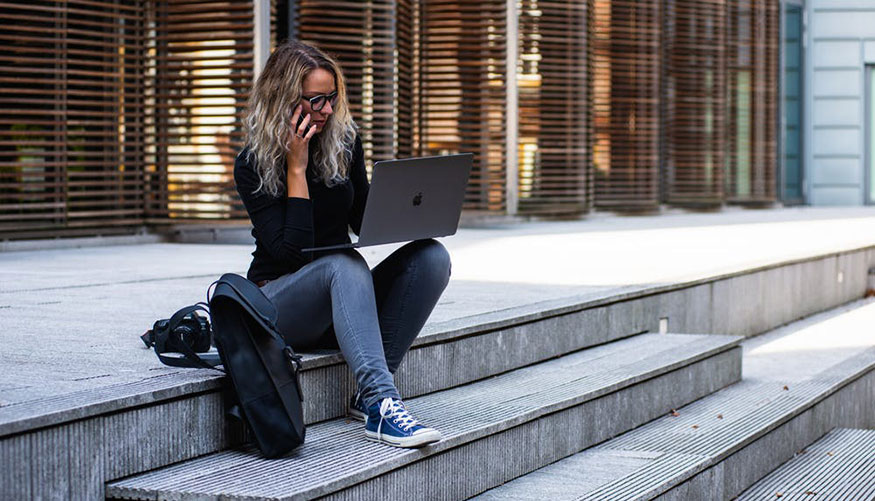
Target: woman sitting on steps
x,y
302,180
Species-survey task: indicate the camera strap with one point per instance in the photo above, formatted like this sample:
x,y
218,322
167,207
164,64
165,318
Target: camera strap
x,y
189,359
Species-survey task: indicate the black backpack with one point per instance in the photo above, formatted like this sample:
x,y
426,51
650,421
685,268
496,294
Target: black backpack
x,y
263,369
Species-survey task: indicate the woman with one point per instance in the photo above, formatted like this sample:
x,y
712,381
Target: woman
x,y
302,180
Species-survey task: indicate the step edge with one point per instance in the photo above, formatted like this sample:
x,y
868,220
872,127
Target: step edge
x,y
195,381
720,347
804,465
829,388
199,382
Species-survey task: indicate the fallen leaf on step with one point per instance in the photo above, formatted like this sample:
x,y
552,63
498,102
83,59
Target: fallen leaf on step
x,y
778,494
786,389
695,427
719,416
674,413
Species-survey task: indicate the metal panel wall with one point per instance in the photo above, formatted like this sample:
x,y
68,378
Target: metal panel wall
x,y
71,117
840,42
627,64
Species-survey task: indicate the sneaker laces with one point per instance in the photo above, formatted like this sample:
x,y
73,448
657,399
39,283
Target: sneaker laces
x,y
394,409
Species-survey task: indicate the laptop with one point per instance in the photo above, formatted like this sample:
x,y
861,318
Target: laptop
x,y
411,199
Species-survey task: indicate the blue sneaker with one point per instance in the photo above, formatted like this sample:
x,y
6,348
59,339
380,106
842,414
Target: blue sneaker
x,y
390,423
357,409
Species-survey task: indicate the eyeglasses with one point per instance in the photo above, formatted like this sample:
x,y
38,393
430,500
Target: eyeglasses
x,y
318,102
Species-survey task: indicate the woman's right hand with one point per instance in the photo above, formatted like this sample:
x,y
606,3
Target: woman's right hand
x,y
298,142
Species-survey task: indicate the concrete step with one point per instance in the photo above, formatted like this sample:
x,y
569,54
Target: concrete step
x,y
840,465
494,430
133,426
799,383
117,411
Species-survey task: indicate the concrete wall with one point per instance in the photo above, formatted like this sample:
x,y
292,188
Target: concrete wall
x,y
840,42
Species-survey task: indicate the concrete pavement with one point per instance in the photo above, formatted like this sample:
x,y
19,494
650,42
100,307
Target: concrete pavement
x,y
69,318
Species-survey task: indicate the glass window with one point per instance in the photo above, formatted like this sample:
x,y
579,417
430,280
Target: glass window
x,y
870,131
793,105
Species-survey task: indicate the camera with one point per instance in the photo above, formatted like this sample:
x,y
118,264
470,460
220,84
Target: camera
x,y
192,330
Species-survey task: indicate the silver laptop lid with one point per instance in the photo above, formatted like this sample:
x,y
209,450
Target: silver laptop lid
x,y
415,198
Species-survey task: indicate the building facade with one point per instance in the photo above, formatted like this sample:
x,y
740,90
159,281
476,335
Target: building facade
x,y
122,114
837,110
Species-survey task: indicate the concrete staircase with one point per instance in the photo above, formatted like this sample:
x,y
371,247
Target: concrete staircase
x,y
719,446
513,391
841,465
494,429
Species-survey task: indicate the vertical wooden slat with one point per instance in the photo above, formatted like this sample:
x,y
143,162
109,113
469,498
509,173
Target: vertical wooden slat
x,y
753,101
69,117
362,36
553,108
695,105
106,179
627,62
462,94
199,78
407,39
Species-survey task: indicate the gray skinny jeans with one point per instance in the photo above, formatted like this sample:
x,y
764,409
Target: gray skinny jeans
x,y
375,314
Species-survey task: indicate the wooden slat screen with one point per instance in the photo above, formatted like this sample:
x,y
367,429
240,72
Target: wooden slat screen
x,y
407,109
695,104
627,64
361,35
463,97
198,80
553,108
120,113
753,101
71,117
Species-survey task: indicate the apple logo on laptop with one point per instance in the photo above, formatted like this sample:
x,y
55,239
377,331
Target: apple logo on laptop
x,y
417,200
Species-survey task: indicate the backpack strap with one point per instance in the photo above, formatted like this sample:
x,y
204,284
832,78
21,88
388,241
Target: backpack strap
x,y
273,331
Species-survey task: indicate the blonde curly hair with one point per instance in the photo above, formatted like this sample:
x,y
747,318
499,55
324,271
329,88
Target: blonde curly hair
x,y
269,117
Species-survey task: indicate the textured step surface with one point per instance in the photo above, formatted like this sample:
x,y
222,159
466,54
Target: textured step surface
x,y
840,465
652,460
530,417
720,445
50,299
607,277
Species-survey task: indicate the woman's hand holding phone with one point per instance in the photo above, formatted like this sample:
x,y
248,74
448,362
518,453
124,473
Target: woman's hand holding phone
x,y
299,138
297,156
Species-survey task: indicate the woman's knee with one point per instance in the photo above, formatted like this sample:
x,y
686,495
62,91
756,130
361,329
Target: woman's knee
x,y
347,265
433,256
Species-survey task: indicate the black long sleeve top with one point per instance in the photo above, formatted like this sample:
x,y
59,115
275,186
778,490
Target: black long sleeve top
x,y
282,226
